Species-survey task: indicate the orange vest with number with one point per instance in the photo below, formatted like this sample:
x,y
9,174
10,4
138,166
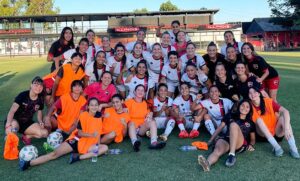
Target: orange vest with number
x,y
137,111
90,125
269,117
64,86
70,111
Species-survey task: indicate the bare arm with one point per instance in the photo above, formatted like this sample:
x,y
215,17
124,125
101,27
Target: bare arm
x,y
216,133
11,114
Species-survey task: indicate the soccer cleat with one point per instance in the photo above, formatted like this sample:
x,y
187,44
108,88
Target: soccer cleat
x,y
47,147
24,165
294,154
163,137
148,134
279,152
74,158
183,134
204,163
194,134
136,145
25,140
230,161
157,145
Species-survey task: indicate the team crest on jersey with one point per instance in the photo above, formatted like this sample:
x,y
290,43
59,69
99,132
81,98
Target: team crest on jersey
x,y
255,66
151,63
210,107
275,82
182,104
131,60
134,82
59,49
36,107
250,84
169,72
247,124
106,92
230,87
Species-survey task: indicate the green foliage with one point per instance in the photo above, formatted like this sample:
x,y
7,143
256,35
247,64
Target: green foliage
x,y
12,8
142,10
168,6
41,7
289,9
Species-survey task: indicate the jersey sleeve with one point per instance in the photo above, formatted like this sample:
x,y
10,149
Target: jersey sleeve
x,y
176,102
201,61
67,55
170,102
20,98
164,71
60,72
228,103
52,50
263,64
276,106
89,70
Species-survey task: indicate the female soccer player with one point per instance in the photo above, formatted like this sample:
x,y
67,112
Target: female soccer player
x,y
82,143
265,73
63,44
20,115
116,64
96,68
239,137
268,126
183,113
141,120
105,40
141,76
102,90
180,44
82,49
212,58
162,111
171,73
115,121
93,48
66,75
232,59
166,46
65,111
132,59
230,41
141,35
155,63
225,83
192,57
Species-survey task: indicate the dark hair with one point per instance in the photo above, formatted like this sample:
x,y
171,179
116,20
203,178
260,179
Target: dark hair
x,y
178,33
95,71
120,45
189,63
37,79
234,41
250,46
145,63
92,99
136,43
140,30
118,96
105,37
162,85
173,53
76,83
191,43
107,72
76,54
230,46
262,105
252,49
83,40
140,85
211,44
240,62
185,83
165,33
249,115
175,22
62,37
155,44
89,31
213,86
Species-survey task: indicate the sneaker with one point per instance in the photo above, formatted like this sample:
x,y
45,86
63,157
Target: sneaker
x,y
194,134
183,134
24,165
294,154
136,145
47,147
74,158
278,152
157,145
148,134
25,140
204,163
163,137
230,161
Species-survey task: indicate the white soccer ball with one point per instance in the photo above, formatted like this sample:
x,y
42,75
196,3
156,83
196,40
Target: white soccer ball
x,y
28,153
55,139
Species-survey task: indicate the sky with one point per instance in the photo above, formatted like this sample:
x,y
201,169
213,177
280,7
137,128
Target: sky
x,y
229,11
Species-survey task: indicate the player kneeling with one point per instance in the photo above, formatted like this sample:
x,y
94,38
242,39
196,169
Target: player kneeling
x,y
162,111
83,141
115,121
239,137
183,113
141,120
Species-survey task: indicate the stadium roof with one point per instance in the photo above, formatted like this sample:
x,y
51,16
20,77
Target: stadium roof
x,y
99,16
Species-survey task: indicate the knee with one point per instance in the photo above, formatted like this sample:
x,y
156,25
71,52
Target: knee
x,y
152,123
103,148
234,125
206,117
131,125
112,134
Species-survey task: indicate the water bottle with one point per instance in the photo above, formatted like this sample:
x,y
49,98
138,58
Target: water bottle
x,y
188,148
115,151
95,152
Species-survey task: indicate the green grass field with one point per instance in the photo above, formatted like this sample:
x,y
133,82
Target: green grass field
x,y
167,164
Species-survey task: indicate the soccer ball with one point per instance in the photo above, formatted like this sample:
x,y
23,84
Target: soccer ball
x,y
55,139
28,153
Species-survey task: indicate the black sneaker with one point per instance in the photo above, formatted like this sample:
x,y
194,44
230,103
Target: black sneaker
x,y
74,158
230,161
157,145
24,165
136,145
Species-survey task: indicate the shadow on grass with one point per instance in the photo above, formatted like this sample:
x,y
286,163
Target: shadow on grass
x,y
4,77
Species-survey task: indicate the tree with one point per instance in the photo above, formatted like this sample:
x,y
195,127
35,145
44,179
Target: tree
x,y
12,7
41,7
143,10
168,6
289,9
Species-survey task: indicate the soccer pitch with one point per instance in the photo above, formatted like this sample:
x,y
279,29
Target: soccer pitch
x,y
167,164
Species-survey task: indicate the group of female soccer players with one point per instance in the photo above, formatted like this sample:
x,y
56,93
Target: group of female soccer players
x,y
97,95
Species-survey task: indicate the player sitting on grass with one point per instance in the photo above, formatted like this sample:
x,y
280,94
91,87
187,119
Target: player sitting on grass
x,y
141,120
239,137
20,115
82,143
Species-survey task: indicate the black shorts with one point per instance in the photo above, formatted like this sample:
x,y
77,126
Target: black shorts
x,y
22,125
264,139
74,145
240,149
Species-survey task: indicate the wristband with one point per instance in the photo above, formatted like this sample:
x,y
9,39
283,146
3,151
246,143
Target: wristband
x,y
7,126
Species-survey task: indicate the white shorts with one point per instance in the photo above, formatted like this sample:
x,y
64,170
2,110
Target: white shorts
x,y
188,122
153,79
172,86
161,122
